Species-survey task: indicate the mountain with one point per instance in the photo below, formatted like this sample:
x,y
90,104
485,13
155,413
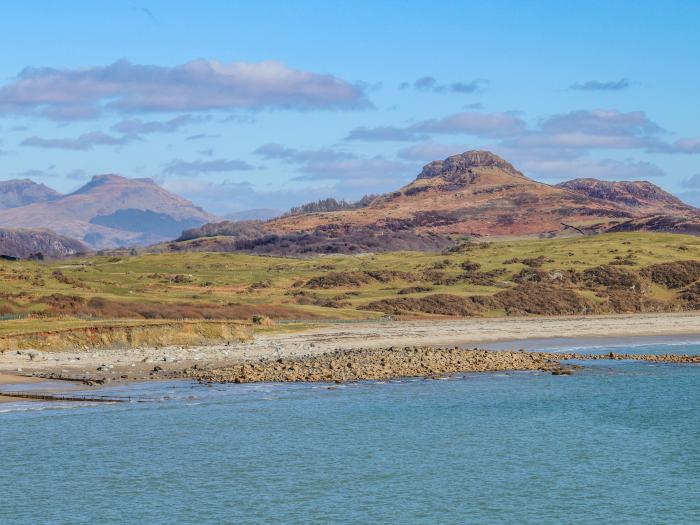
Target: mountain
x,y
20,192
475,194
638,195
28,243
478,193
111,210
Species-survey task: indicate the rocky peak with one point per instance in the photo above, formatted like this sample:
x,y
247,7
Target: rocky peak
x,y
25,243
111,179
20,192
629,193
457,165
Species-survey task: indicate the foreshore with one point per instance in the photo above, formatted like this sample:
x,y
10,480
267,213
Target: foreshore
x,y
104,366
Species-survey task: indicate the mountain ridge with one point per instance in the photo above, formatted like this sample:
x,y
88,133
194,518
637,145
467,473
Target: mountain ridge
x,y
474,194
20,192
91,213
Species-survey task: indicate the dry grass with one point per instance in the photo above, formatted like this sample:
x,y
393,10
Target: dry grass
x,y
219,286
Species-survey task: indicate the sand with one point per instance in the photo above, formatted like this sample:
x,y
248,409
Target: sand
x,y
167,362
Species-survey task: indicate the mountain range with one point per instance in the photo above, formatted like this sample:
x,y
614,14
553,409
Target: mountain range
x,y
475,194
108,211
472,195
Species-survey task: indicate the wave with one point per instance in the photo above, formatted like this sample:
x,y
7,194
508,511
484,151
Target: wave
x,y
30,406
630,345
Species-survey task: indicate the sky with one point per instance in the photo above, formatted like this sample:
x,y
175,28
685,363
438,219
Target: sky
x,y
248,105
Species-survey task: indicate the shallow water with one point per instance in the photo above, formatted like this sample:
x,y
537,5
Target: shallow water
x,y
617,443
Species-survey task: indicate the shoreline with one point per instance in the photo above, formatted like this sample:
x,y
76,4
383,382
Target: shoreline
x,y
98,367
372,364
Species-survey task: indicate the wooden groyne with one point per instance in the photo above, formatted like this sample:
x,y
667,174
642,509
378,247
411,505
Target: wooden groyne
x,y
39,396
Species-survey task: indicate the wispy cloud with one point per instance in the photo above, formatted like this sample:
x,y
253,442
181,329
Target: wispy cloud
x,y
428,151
383,133
202,136
297,156
479,124
86,141
476,123
192,168
200,85
139,127
430,84
597,85
144,11
328,164
688,146
606,169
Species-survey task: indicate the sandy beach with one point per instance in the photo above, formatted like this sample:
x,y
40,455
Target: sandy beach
x,y
102,366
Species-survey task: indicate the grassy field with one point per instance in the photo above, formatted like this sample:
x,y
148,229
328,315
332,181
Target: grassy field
x,y
73,292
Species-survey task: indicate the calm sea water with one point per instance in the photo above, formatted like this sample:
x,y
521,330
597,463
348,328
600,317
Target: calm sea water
x,y
617,443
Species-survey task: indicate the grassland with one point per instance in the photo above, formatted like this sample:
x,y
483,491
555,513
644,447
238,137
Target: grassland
x,y
74,293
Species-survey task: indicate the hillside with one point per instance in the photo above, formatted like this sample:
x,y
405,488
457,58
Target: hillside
x,y
20,192
111,210
608,273
475,194
30,243
637,195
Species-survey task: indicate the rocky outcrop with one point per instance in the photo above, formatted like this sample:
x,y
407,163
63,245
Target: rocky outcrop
x,y
627,193
689,224
32,243
368,364
390,363
463,163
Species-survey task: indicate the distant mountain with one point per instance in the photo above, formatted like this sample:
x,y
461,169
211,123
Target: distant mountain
x,y
109,211
259,214
475,194
28,243
20,192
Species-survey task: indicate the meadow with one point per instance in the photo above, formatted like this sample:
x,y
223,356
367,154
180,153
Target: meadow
x,y
607,273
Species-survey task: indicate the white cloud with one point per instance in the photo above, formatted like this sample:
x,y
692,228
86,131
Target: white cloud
x,y
200,85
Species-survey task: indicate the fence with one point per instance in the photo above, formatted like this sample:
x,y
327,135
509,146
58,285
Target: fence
x,y
38,396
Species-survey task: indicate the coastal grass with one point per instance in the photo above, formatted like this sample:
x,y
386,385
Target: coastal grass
x,y
88,291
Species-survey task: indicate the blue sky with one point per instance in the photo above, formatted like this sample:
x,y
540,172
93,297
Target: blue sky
x,y
270,104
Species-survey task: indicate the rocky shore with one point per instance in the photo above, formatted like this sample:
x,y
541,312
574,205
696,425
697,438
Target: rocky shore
x,y
663,358
349,352
373,364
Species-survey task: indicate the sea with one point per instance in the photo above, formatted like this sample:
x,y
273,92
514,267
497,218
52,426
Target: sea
x,y
616,442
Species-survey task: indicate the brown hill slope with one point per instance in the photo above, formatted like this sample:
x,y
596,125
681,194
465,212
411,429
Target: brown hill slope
x,y
27,243
476,193
637,195
111,210
479,193
688,224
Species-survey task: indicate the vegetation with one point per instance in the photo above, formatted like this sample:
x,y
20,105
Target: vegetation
x,y
330,204
622,272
